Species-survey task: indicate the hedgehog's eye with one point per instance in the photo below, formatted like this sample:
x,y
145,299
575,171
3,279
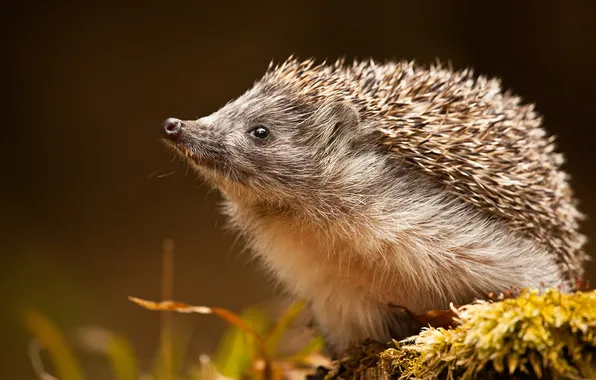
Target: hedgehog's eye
x,y
260,132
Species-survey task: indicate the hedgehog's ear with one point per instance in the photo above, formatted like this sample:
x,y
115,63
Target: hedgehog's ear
x,y
345,114
335,118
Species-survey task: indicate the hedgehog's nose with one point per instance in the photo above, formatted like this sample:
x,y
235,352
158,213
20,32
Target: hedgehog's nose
x,y
171,128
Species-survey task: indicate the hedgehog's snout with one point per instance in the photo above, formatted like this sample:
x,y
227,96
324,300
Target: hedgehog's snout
x,y
171,128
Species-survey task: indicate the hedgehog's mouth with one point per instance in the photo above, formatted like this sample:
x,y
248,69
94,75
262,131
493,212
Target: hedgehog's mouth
x,y
191,156
184,151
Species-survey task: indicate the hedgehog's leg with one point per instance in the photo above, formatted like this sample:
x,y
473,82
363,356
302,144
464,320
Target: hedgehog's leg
x,y
402,324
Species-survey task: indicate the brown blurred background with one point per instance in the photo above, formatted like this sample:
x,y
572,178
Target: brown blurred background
x,y
85,205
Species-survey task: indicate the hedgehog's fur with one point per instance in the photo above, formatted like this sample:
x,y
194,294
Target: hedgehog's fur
x,y
389,184
480,142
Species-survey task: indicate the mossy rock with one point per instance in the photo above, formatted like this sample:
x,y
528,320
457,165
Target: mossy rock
x,y
538,334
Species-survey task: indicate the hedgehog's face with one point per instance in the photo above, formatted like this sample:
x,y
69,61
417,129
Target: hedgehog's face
x,y
264,145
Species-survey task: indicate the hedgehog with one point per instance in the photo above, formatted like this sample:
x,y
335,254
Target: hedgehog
x,y
361,186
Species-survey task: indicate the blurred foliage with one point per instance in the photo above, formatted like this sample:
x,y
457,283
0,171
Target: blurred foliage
x,y
237,349
122,359
53,340
248,349
251,348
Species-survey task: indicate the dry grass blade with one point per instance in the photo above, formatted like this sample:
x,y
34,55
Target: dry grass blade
x,y
224,314
237,350
167,292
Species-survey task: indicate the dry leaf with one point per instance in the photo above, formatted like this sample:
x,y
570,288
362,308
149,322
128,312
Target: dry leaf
x,y
433,318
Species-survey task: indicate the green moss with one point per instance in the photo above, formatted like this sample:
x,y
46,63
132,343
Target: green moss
x,y
545,334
